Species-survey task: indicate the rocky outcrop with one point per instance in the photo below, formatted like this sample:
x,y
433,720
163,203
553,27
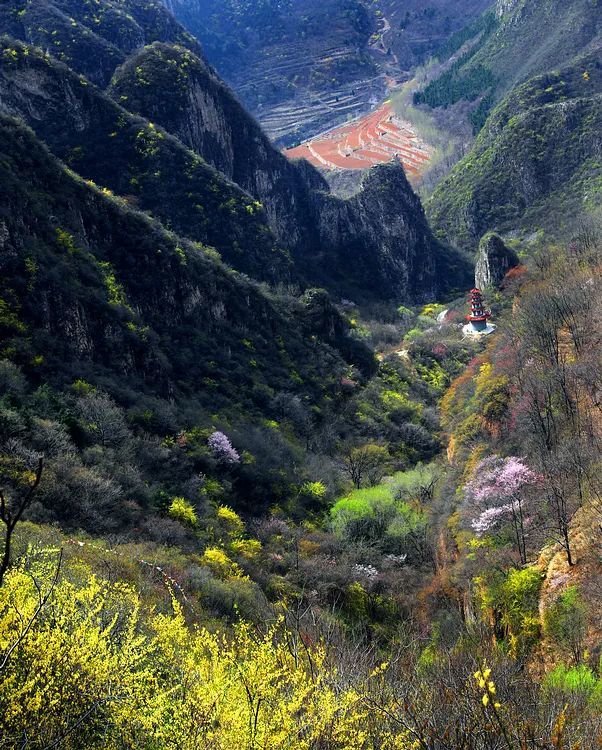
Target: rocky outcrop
x,y
376,243
504,8
379,237
494,260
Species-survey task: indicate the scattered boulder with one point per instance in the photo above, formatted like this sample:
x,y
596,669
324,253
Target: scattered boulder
x,y
494,260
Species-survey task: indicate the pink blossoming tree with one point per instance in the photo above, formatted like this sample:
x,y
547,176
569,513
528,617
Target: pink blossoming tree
x,y
221,447
498,493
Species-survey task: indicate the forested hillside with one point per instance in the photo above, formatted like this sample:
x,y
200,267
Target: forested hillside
x,y
259,487
535,162
458,599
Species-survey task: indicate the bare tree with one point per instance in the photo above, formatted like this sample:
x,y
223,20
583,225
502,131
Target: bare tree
x,y
12,512
364,463
103,419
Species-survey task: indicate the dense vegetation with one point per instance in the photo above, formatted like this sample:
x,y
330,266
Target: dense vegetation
x,y
238,515
92,38
534,165
461,81
482,66
407,591
518,40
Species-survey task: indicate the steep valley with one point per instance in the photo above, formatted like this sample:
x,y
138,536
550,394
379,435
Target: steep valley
x,y
300,375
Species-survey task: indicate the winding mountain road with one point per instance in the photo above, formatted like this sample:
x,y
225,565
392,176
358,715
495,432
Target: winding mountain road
x,y
379,44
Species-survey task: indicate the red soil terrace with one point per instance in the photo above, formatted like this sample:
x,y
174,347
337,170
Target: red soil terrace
x,y
374,139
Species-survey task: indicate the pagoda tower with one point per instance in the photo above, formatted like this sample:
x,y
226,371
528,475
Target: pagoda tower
x,y
478,316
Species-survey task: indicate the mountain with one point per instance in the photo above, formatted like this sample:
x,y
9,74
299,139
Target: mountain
x,y
260,212
536,37
283,52
302,66
260,484
512,42
536,160
91,37
94,289
104,143
334,242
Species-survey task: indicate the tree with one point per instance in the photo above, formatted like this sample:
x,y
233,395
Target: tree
x,y
498,493
12,508
558,375
365,463
103,419
221,447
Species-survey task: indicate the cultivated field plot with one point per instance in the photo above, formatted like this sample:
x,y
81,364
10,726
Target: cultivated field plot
x,y
376,138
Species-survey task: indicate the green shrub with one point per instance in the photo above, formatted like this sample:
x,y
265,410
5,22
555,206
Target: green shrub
x,y
577,681
378,514
514,600
565,622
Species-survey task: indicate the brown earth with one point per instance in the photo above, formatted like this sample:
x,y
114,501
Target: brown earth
x,y
376,138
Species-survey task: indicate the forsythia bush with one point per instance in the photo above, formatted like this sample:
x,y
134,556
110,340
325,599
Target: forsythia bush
x,y
82,665
181,510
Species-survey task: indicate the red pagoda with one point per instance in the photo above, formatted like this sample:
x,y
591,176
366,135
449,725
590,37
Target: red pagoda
x,y
478,316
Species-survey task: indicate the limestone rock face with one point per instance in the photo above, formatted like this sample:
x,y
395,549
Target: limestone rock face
x,y
494,260
171,139
376,242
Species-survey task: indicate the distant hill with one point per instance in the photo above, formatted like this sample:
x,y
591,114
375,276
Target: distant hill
x,y
536,160
302,66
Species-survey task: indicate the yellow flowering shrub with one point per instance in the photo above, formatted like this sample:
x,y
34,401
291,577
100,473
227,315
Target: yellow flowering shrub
x,y
230,522
87,666
219,562
181,510
247,548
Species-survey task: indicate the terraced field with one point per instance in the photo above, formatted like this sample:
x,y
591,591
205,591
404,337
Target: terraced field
x,y
376,138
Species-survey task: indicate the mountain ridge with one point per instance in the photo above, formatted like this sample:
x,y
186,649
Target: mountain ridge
x,y
284,218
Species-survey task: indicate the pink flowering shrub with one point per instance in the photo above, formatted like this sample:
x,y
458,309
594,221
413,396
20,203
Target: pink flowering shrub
x,y
222,449
498,493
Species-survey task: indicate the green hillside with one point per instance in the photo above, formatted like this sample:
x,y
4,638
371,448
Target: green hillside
x,y
536,163
265,482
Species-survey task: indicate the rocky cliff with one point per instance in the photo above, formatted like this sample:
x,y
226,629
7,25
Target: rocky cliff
x,y
494,260
104,143
378,238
